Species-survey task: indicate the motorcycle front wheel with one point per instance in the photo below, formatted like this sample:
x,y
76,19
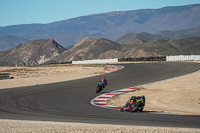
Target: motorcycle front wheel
x,y
98,89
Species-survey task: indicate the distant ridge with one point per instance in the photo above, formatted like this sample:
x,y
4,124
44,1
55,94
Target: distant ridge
x,y
180,34
111,25
143,36
165,35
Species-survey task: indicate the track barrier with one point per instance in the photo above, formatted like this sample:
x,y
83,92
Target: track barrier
x,y
161,58
4,76
143,59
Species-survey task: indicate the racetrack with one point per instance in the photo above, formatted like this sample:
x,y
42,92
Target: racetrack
x,y
70,101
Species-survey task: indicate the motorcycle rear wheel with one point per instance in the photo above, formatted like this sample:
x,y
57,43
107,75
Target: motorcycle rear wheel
x,y
141,109
122,109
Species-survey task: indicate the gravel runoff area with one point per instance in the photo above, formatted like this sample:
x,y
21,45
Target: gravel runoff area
x,y
24,76
16,126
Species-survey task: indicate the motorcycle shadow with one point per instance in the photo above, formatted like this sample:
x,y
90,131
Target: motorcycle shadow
x,y
102,92
140,112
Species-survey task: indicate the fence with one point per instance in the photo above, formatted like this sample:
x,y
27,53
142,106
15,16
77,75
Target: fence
x,y
183,58
162,58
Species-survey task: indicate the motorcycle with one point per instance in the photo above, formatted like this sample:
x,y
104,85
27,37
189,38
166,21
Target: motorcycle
x,y
99,87
137,105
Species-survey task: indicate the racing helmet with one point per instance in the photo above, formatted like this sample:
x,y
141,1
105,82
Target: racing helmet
x,y
104,79
133,98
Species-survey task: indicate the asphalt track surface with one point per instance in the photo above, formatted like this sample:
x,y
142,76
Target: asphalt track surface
x,y
70,101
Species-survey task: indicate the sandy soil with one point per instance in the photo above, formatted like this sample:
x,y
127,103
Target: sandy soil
x,y
177,95
26,76
178,91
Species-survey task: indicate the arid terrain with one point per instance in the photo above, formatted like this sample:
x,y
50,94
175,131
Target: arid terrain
x,y
178,95
182,90
27,76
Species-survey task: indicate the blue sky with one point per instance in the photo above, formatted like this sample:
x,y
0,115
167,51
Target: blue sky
x,y
13,12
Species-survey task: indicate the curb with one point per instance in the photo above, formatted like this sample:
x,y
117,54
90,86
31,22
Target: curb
x,y
113,70
101,101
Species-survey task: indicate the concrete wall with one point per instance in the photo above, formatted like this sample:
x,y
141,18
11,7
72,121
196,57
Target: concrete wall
x,y
163,58
96,61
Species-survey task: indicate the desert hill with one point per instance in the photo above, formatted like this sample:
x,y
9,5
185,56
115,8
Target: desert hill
x,y
94,48
47,51
31,53
88,48
160,47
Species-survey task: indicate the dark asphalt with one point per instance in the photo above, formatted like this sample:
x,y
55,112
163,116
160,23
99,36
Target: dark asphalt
x,y
70,101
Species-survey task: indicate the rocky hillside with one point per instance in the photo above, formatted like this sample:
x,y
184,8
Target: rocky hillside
x,y
94,48
160,47
31,53
48,51
109,25
89,48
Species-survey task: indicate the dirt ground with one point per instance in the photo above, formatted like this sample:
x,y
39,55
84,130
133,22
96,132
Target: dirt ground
x,y
178,95
26,76
160,96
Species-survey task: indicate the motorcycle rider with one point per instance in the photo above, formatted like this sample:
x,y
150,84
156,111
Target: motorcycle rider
x,y
131,100
104,82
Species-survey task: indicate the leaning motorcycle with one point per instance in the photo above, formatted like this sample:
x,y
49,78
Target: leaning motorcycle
x,y
137,106
99,87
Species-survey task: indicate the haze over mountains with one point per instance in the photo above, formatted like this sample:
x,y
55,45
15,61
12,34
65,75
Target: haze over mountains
x,y
111,25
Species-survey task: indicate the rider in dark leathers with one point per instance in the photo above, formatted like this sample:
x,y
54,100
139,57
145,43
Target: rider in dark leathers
x,y
129,102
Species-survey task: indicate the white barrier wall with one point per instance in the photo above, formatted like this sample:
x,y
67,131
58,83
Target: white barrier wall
x,y
168,58
183,58
96,61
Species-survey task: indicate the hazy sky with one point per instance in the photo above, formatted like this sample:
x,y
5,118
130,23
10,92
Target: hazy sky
x,y
14,12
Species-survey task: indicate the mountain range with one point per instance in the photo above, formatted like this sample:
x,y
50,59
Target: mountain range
x,y
101,48
47,51
111,25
